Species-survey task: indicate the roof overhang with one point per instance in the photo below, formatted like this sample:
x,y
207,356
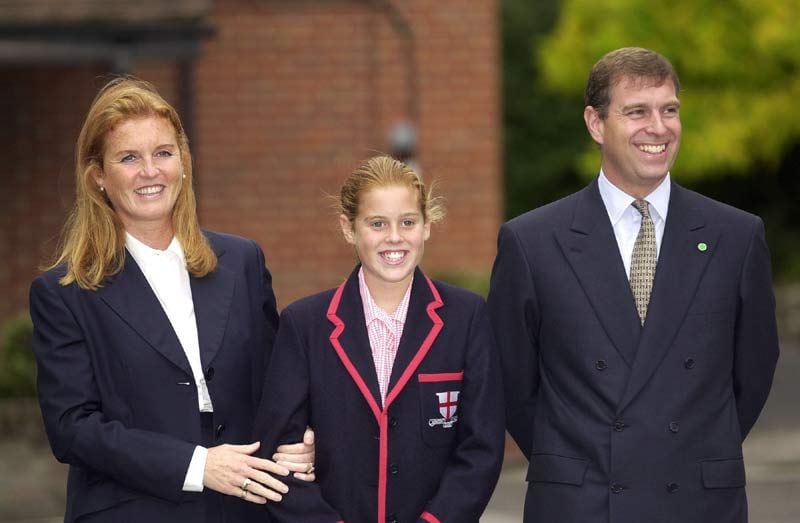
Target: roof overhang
x,y
115,31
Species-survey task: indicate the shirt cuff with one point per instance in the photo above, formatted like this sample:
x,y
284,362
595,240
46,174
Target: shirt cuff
x,y
197,468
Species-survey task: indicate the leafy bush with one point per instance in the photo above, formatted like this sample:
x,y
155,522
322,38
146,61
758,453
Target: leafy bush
x,y
477,282
17,364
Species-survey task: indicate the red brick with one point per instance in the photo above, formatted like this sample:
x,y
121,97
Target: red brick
x,y
289,98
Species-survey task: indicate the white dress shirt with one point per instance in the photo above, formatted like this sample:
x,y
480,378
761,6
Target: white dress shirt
x,y
626,220
166,273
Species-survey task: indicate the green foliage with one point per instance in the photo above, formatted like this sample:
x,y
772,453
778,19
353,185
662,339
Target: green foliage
x,y
544,130
17,365
739,64
477,282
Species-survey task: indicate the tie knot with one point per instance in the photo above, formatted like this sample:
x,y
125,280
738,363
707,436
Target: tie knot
x,y
641,206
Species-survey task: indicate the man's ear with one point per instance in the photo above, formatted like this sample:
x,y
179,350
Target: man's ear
x,y
347,229
594,124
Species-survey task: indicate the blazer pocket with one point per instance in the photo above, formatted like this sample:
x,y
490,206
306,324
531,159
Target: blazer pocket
x,y
439,399
551,468
723,473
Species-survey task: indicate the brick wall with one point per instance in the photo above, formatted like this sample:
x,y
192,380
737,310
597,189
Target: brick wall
x,y
290,95
42,110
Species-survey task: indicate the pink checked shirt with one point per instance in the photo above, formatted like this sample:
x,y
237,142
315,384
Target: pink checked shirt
x,y
384,332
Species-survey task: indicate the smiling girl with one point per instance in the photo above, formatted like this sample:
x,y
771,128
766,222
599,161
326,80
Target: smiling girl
x,y
396,373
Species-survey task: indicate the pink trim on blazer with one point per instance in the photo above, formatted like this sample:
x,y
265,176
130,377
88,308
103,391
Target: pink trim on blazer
x,y
381,415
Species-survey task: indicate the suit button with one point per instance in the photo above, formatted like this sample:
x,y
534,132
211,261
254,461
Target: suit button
x,y
674,427
619,425
672,487
392,422
391,518
688,363
600,365
210,374
219,430
616,488
393,469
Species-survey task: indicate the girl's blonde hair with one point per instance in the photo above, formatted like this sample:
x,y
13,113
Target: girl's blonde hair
x,y
382,171
92,244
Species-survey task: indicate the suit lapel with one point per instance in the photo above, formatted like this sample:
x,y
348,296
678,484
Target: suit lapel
x,y
591,249
422,327
417,326
212,295
681,265
129,294
354,339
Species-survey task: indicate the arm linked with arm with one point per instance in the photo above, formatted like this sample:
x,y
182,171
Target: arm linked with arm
x,y
282,418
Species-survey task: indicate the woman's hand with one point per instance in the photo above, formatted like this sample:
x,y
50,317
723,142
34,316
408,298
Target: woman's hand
x,y
232,470
298,457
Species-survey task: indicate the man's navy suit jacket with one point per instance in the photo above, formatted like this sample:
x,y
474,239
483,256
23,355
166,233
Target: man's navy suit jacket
x,y
117,393
623,423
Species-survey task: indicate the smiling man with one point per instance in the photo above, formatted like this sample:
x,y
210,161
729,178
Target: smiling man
x,y
636,325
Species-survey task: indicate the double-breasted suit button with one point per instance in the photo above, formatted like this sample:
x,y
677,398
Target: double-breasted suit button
x,y
619,425
394,469
674,427
210,374
616,488
393,422
672,487
600,365
219,430
688,363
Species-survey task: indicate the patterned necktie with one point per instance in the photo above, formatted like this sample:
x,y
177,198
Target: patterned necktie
x,y
643,261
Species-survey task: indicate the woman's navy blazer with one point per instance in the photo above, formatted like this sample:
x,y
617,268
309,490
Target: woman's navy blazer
x,y
432,452
117,393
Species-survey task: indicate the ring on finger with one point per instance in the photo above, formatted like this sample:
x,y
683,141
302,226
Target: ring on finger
x,y
310,468
245,484
243,495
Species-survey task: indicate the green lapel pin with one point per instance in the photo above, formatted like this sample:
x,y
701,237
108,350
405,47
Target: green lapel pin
x,y
702,247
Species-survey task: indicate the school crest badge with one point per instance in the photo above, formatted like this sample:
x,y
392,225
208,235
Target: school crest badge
x,y
448,405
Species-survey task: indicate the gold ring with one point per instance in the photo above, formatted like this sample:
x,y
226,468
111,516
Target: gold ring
x,y
245,484
243,494
310,468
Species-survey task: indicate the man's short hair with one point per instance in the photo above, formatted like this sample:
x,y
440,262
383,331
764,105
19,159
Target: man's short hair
x,y
627,62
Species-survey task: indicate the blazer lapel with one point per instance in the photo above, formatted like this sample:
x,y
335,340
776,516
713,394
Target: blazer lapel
x,y
681,264
129,294
591,249
417,326
212,295
421,329
353,339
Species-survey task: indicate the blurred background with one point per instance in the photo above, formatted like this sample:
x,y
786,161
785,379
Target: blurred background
x,y
282,98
